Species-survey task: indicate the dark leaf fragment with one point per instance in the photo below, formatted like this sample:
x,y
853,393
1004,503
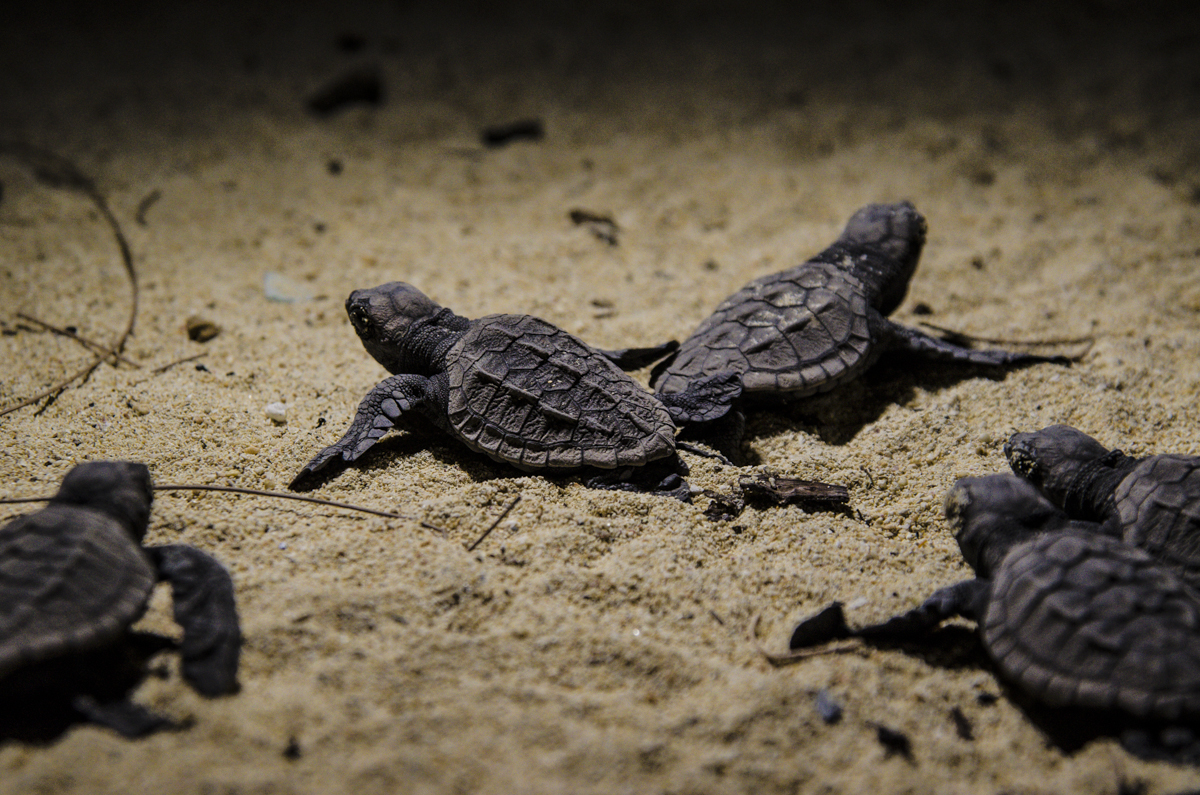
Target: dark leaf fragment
x,y
602,227
522,130
362,86
200,329
779,490
893,741
723,507
962,724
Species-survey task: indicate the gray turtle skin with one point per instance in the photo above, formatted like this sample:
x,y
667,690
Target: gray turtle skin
x,y
1152,503
1070,615
74,576
818,325
513,387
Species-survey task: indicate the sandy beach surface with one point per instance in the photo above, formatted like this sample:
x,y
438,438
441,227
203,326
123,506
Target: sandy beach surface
x,y
595,642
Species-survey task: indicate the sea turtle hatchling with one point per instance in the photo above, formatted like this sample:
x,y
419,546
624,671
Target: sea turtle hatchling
x,y
74,576
514,387
818,325
1152,502
1070,615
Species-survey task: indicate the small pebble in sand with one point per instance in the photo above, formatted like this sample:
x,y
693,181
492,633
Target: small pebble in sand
x,y
200,329
277,413
827,707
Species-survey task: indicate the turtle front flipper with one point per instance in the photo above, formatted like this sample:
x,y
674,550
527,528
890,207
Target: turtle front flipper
x,y
967,598
703,399
910,339
204,605
637,358
377,412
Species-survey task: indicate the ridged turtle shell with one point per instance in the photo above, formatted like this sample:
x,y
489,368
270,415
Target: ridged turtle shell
x,y
1158,506
800,332
70,579
528,393
1085,620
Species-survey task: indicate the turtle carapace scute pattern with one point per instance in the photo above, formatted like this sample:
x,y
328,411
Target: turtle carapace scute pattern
x,y
1070,615
818,325
1152,503
1073,615
513,387
525,392
75,576
1082,619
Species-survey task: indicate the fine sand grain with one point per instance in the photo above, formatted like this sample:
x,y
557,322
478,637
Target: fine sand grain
x,y
596,642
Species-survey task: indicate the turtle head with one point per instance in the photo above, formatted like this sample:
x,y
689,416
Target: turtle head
x,y
382,316
119,489
887,239
991,515
1053,459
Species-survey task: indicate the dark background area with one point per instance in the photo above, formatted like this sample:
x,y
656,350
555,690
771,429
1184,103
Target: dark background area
x,y
1126,72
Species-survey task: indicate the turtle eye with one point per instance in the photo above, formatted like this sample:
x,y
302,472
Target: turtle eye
x,y
362,322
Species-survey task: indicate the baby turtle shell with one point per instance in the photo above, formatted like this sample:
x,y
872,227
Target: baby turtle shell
x,y
528,393
1085,620
800,332
1158,507
69,579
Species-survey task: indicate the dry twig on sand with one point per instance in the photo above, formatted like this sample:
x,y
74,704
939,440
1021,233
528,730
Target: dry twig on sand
x,y
58,172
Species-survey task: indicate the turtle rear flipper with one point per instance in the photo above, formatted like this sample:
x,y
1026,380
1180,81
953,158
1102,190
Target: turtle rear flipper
x,y
910,339
202,594
637,358
663,477
1171,743
377,413
704,399
124,717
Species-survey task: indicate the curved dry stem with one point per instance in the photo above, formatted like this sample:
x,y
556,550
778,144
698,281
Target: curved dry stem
x,y
92,345
83,373
59,172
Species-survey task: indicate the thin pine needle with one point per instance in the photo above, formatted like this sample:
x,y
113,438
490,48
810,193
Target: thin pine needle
x,y
260,493
495,524
297,497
